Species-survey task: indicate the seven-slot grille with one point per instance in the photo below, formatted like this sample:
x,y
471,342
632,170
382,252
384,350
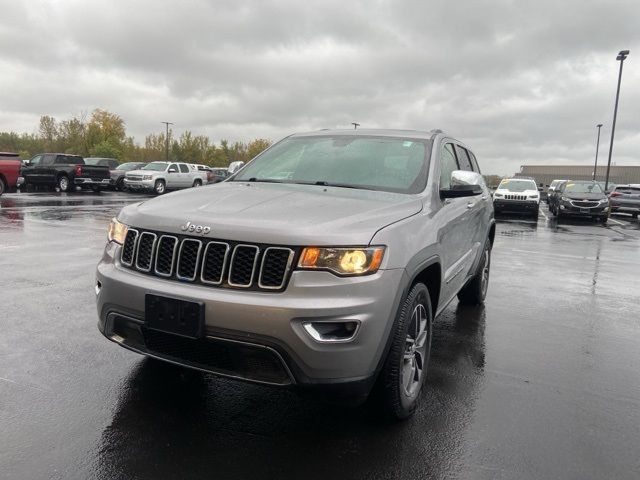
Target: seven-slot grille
x,y
515,197
210,262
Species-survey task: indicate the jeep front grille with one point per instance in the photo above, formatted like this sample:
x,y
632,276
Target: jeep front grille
x,y
208,262
515,197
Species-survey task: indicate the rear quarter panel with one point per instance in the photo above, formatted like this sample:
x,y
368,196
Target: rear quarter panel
x,y
9,171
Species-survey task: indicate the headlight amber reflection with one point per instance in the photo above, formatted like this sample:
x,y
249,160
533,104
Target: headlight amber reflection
x,y
117,231
342,261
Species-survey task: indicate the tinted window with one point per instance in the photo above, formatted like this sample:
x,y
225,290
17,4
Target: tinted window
x,y
36,160
474,162
448,164
463,159
184,168
48,159
174,166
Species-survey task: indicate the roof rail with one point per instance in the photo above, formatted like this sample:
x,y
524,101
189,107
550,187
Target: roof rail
x,y
435,131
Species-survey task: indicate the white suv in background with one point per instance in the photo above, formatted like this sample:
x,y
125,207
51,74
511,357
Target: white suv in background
x,y
162,176
517,195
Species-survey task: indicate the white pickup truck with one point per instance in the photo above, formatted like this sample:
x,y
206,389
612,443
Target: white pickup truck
x,y
162,176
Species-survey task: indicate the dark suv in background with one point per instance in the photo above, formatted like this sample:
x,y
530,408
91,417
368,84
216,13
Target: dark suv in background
x,y
625,199
579,198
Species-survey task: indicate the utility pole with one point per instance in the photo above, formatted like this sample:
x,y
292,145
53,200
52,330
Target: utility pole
x,y
595,167
355,125
167,139
621,56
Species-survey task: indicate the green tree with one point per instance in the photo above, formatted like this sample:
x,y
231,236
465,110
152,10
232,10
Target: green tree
x,y
256,147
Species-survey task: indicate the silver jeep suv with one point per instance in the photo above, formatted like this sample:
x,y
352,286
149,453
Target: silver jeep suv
x,y
321,264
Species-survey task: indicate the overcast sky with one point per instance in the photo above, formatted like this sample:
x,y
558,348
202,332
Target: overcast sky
x,y
518,81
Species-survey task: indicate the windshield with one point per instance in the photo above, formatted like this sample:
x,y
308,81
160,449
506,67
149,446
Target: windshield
x,y
157,166
128,166
517,185
582,187
373,163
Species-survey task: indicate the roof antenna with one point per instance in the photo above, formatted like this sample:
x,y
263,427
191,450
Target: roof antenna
x,y
355,125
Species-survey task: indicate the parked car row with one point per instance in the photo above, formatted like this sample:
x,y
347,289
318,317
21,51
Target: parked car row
x,y
567,198
65,173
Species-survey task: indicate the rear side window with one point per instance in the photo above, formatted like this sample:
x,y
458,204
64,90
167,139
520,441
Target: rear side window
x,y
448,164
48,160
463,159
184,168
474,162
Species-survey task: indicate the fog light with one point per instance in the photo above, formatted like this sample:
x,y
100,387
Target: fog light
x,y
332,332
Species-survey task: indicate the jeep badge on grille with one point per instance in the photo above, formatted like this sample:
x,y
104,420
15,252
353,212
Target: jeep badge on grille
x,y
190,227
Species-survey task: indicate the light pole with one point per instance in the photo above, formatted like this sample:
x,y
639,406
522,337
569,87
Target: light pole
x,y
595,167
167,139
621,56
355,125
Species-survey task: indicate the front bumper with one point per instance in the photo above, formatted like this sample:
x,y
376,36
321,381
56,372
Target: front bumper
x,y
139,184
515,205
270,320
567,208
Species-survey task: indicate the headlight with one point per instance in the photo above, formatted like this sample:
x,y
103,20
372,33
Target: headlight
x,y
497,195
117,231
603,200
147,177
534,197
343,261
564,199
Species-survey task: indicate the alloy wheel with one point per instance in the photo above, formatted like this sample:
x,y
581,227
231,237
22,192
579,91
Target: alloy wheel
x,y
414,358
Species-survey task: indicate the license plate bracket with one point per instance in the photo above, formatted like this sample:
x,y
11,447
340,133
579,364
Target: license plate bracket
x,y
173,315
585,210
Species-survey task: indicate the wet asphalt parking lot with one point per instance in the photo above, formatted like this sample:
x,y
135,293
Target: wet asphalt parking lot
x,y
542,382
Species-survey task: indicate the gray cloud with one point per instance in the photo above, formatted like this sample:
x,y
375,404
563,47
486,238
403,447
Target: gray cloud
x,y
519,82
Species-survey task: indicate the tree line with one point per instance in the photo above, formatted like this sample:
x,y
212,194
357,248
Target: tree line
x,y
103,134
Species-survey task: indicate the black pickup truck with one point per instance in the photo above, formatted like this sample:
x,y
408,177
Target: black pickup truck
x,y
64,172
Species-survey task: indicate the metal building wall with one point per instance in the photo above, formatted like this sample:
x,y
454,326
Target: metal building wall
x,y
545,174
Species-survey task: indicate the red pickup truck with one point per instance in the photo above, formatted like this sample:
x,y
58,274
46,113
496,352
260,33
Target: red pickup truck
x,y
10,164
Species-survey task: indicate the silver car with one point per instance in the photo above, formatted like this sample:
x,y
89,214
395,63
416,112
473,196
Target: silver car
x,y
159,177
328,278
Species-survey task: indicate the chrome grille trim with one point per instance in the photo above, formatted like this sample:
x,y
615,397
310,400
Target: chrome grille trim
x,y
137,251
135,245
253,269
173,256
224,263
515,197
195,270
286,271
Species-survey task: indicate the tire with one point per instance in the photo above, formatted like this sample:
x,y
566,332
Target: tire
x,y
536,213
475,291
397,388
159,187
197,183
604,220
120,187
64,184
3,186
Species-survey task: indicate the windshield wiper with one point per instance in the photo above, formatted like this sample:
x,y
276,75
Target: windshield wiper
x,y
342,185
259,180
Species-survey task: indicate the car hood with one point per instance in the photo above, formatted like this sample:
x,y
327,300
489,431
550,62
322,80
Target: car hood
x,y
140,172
283,214
584,196
505,191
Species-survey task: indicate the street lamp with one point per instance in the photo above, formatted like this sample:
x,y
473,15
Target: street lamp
x,y
621,56
595,167
167,139
355,125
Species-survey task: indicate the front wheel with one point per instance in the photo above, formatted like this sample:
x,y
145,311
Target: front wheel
x,y
405,368
159,187
197,183
475,291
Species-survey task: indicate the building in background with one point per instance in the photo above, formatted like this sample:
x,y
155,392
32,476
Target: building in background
x,y
545,174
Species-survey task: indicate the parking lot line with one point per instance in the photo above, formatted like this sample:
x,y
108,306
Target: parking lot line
x,y
544,215
615,221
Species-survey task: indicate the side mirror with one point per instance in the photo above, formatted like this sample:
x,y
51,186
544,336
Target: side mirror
x,y
26,163
173,170
464,184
